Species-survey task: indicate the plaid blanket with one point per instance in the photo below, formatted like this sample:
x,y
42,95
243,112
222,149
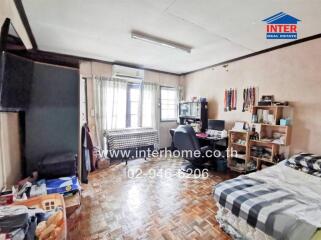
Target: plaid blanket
x,y
306,160
265,207
303,169
132,138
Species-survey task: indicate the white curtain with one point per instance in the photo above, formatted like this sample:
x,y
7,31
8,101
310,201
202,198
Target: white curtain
x,y
150,106
110,105
180,97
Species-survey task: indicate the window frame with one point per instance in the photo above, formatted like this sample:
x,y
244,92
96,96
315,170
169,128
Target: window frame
x,y
132,85
85,89
160,104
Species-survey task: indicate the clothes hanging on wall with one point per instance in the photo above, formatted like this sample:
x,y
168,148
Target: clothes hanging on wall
x,y
235,99
90,146
225,101
86,153
248,98
230,99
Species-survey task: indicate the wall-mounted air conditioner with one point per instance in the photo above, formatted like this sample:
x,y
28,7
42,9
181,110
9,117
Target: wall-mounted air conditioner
x,y
128,73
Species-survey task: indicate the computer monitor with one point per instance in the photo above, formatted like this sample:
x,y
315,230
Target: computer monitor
x,y
216,124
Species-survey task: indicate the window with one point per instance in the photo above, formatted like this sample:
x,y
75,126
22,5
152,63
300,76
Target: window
x,y
168,102
133,105
83,101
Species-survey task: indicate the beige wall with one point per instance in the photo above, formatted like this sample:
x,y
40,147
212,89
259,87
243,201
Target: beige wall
x,y
290,74
87,69
10,159
8,10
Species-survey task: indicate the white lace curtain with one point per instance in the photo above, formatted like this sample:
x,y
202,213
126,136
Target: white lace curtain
x,y
111,102
150,105
110,105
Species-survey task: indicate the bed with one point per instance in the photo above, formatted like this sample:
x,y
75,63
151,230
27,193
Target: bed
x,y
279,202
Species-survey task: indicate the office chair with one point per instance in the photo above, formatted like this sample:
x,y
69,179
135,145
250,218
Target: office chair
x,y
185,140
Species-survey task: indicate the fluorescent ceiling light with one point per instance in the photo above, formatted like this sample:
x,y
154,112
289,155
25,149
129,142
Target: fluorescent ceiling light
x,y
160,42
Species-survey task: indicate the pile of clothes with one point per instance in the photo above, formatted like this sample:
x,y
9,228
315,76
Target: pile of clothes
x,y
17,222
22,223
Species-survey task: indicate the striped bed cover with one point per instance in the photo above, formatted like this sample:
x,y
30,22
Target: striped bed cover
x,y
273,210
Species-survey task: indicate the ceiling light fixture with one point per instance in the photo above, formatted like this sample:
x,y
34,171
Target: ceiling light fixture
x,y
160,42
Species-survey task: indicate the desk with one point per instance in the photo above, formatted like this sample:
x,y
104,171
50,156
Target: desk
x,y
204,141
212,141
208,147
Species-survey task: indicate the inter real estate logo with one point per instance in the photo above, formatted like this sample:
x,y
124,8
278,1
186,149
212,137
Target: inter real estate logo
x,y
281,26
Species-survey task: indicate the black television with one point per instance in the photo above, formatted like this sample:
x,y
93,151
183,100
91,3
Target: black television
x,y
216,124
16,75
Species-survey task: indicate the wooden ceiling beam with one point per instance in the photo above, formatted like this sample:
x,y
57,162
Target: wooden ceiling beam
x,y
4,34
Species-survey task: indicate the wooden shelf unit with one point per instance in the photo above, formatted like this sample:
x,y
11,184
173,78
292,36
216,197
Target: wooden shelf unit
x,y
240,145
274,150
233,137
277,112
262,159
266,132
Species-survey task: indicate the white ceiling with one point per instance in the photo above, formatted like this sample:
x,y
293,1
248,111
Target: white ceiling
x,y
218,30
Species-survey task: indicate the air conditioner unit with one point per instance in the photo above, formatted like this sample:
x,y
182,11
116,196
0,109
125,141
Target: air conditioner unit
x,y
128,73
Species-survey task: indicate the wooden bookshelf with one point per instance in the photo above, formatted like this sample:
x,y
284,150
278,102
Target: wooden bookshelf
x,y
266,132
277,112
233,145
272,137
239,145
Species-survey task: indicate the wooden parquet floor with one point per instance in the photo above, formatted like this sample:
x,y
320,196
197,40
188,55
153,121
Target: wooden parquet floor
x,y
115,206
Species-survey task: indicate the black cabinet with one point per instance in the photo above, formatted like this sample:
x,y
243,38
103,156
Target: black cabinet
x,y
15,82
47,98
52,119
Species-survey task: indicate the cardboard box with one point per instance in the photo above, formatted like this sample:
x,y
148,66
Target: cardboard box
x,y
103,163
